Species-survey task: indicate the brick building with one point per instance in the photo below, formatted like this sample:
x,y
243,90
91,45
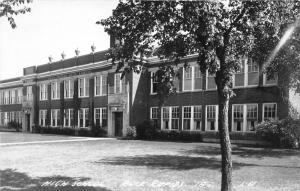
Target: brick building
x,y
85,90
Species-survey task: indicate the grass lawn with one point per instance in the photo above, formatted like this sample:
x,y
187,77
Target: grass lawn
x,y
110,164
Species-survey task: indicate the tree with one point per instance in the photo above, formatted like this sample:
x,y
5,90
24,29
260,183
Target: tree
x,y
219,32
10,8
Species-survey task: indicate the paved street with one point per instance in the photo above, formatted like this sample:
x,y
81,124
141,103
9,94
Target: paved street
x,y
49,162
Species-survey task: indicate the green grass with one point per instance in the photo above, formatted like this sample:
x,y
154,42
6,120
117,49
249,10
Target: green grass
x,y
140,165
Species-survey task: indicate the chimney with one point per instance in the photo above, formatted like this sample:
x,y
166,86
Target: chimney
x,y
93,47
63,55
77,52
50,59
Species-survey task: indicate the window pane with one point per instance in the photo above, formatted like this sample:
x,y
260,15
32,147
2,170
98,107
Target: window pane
x,y
104,85
198,80
187,118
187,79
211,84
97,85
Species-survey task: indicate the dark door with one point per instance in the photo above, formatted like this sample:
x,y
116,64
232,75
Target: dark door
x,y
118,124
28,122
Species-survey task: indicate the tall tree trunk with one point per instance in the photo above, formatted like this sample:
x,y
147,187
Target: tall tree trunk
x,y
224,94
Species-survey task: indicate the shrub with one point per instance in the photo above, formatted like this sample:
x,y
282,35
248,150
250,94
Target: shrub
x,y
283,133
190,136
15,125
145,130
67,131
131,132
98,131
36,129
84,132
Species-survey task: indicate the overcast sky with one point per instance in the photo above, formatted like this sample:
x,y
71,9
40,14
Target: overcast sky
x,y
52,26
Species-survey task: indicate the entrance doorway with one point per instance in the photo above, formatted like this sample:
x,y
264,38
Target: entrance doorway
x,y
27,122
118,124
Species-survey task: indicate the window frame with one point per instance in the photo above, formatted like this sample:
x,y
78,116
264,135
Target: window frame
x,y
69,90
43,92
55,94
206,81
263,110
55,117
101,114
83,117
272,84
152,82
215,120
42,116
101,84
120,83
70,119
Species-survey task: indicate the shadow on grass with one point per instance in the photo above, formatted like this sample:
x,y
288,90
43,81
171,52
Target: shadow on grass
x,y
171,162
245,152
13,180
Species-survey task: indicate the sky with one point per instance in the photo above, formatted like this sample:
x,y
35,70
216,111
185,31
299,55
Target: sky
x,y
52,27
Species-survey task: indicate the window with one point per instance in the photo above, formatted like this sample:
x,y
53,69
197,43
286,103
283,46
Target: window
x,y
165,118
187,79
268,80
251,117
12,97
187,117
6,118
43,115
83,87
244,117
239,76
118,83
269,111
55,117
238,117
68,88
210,81
12,116
83,117
253,74
198,79
1,98
68,117
154,115
43,92
100,85
1,118
175,118
20,117
20,94
101,117
55,90
6,97
192,79
170,118
154,83
197,117
104,84
211,117
192,117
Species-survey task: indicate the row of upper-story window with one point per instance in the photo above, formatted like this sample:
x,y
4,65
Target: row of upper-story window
x,y
244,117
100,117
192,78
101,87
11,96
12,116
